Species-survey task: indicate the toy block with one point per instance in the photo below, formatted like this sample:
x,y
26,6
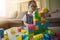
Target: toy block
x,y
30,32
35,20
39,19
49,31
24,36
30,26
41,35
52,37
36,37
55,38
1,32
12,31
42,39
43,19
36,27
35,23
6,36
58,38
27,38
31,35
41,14
46,35
57,34
19,29
35,14
23,31
19,37
36,32
45,10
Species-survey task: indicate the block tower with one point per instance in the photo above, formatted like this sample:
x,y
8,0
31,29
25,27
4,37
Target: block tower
x,y
39,29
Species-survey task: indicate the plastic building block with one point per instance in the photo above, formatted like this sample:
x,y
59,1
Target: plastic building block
x,y
1,32
6,36
35,14
24,36
45,10
57,34
31,35
41,35
19,37
43,19
38,36
36,27
27,38
12,31
23,31
46,35
35,20
19,29
58,38
42,39
30,26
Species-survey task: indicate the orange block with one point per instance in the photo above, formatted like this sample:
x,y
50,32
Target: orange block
x,y
35,20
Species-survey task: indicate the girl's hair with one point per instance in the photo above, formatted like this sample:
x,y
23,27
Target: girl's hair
x,y
31,2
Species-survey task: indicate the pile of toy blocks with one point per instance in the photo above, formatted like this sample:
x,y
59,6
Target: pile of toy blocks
x,y
39,29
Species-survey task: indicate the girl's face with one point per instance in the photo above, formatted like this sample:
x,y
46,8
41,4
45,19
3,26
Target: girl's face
x,y
32,7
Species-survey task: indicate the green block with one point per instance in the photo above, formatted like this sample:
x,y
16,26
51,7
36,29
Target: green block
x,y
37,32
35,39
47,21
39,19
27,38
52,33
35,14
45,28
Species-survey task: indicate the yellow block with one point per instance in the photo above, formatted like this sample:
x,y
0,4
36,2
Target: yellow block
x,y
39,14
19,37
41,35
6,36
49,31
23,31
36,27
42,19
35,20
31,35
45,10
12,31
38,36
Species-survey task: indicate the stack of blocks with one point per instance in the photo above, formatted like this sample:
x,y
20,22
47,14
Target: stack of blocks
x,y
36,31
39,29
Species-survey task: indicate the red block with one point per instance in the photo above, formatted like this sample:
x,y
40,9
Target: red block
x,y
58,38
52,36
19,29
57,34
30,26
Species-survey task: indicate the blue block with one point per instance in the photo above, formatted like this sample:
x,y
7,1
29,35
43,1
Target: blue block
x,y
1,33
39,26
35,23
29,30
42,39
54,38
46,24
24,36
17,35
47,39
47,36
